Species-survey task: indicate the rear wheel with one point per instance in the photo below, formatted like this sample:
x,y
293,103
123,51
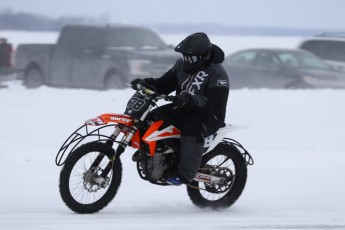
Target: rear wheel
x,y
114,81
224,161
33,78
81,186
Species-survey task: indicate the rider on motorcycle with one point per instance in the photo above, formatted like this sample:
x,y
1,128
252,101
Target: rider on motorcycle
x,y
198,110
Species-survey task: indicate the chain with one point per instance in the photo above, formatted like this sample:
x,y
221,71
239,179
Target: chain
x,y
195,187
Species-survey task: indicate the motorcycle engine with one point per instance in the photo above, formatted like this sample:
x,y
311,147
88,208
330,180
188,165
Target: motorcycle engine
x,y
156,167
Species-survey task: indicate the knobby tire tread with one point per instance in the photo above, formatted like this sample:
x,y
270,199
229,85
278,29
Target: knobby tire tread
x,y
65,174
236,190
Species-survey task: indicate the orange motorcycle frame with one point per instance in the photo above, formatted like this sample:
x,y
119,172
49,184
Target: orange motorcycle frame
x,y
114,120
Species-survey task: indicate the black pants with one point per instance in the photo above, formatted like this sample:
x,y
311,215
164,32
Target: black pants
x,y
194,126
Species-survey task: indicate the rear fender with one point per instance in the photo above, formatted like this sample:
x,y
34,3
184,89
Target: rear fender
x,y
213,140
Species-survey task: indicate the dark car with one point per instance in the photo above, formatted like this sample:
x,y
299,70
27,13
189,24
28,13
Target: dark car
x,y
281,68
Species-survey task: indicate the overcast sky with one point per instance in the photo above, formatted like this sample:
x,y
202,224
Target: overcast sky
x,y
313,14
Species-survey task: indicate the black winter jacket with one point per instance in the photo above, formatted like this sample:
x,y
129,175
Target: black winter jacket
x,y
208,87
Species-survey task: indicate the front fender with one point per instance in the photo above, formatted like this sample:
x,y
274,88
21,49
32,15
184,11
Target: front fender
x,y
111,118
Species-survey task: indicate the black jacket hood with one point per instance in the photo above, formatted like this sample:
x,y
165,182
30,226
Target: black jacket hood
x,y
218,54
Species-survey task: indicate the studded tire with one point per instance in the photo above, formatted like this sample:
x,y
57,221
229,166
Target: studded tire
x,y
67,183
201,198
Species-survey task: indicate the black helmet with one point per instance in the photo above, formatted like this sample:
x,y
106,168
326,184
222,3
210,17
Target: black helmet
x,y
194,44
196,51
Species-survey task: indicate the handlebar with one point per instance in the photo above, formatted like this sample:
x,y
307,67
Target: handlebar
x,y
149,91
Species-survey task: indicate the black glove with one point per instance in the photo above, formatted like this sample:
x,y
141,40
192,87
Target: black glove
x,y
135,82
182,100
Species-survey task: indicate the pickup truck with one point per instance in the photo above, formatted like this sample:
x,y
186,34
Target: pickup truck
x,y
96,57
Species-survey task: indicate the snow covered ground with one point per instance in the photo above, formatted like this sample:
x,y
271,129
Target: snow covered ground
x,y
296,138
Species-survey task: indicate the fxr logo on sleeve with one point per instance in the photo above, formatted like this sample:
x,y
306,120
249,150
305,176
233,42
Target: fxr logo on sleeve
x,y
222,83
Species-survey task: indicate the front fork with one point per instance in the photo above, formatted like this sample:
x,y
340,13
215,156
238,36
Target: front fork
x,y
122,145
100,156
120,149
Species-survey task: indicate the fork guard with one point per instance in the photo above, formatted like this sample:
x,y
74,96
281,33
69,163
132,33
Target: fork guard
x,y
78,136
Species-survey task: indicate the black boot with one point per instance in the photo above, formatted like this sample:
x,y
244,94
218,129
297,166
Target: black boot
x,y
190,158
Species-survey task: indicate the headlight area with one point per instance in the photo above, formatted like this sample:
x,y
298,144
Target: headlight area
x,y
137,67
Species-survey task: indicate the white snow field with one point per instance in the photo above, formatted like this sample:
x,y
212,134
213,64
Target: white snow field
x,y
296,138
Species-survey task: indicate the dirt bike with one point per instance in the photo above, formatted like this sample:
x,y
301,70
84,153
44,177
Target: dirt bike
x,y
92,169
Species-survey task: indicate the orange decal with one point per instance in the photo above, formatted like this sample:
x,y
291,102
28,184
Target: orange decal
x,y
111,117
152,144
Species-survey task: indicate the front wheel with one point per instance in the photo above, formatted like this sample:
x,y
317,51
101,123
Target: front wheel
x,y
82,187
224,161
